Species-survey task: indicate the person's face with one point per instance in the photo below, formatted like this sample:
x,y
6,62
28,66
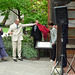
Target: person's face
x,y
55,26
51,26
17,22
37,21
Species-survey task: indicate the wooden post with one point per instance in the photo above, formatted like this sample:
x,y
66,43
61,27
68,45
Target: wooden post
x,y
48,10
58,50
49,17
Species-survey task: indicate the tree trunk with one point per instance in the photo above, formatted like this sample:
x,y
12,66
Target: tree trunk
x,y
19,14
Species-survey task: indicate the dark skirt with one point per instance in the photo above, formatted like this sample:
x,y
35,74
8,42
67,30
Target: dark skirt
x,y
3,53
2,49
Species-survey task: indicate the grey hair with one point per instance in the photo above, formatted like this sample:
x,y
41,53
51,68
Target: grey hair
x,y
16,19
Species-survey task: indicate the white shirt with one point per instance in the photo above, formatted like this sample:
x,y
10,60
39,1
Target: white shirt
x,y
53,33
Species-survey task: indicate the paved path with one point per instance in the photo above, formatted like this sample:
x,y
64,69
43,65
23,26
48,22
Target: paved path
x,y
26,67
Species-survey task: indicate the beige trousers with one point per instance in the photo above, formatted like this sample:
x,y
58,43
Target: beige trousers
x,y
16,46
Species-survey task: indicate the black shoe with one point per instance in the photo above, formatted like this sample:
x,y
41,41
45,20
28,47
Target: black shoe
x,y
15,60
20,59
64,65
3,59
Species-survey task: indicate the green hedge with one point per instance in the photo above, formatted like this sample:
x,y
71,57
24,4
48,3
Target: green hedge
x,y
27,47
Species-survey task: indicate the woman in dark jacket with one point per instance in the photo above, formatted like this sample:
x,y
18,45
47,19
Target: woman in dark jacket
x,y
2,48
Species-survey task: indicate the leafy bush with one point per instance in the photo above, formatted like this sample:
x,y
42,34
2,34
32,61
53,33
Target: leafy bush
x,y
27,47
8,45
28,51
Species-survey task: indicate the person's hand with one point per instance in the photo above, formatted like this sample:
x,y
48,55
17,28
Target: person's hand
x,y
49,32
35,23
10,33
0,29
31,37
52,44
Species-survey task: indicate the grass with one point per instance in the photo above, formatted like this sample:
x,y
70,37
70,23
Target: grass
x,y
5,30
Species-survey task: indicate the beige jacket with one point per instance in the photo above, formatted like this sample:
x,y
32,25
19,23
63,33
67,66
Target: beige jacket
x,y
17,32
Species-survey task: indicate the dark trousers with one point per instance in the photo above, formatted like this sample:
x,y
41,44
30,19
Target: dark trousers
x,y
35,41
53,52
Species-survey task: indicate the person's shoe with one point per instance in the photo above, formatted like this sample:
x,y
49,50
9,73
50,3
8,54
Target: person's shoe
x,y
0,60
3,59
64,65
20,59
15,60
51,60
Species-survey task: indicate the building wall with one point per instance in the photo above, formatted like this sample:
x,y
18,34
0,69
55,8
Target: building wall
x,y
71,14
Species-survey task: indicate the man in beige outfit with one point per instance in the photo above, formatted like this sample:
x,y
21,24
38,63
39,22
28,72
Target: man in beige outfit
x,y
16,31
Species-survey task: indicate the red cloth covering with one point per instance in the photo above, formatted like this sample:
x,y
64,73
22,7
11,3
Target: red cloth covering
x,y
44,30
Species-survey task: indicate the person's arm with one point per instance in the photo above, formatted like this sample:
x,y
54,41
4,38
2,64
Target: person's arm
x,y
32,31
10,31
1,32
27,25
50,37
55,36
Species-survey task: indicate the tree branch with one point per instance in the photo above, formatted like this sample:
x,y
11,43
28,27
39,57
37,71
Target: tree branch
x,y
13,11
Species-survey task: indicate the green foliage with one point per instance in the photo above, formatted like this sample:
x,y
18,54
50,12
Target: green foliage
x,y
28,50
39,12
27,47
31,9
5,30
8,45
